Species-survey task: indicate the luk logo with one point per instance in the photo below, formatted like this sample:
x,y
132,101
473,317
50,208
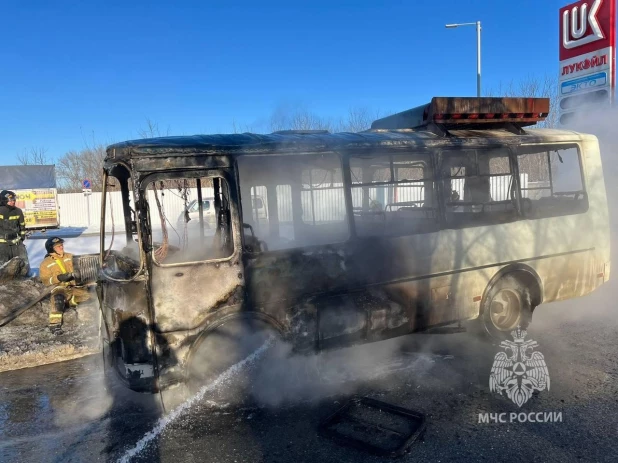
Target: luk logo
x,y
574,31
519,370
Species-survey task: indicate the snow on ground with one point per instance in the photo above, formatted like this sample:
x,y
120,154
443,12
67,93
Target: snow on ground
x,y
26,341
81,240
77,241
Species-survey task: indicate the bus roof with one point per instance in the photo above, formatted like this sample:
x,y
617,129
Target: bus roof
x,y
442,122
290,142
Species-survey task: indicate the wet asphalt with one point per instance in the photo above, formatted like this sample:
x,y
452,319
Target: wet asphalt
x,y
70,412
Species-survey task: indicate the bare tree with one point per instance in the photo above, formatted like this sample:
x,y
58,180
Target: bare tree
x,y
358,120
535,87
34,155
241,128
152,130
87,163
290,117
75,166
305,120
279,119
297,118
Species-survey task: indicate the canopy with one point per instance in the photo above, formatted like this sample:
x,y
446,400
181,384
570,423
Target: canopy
x,y
27,177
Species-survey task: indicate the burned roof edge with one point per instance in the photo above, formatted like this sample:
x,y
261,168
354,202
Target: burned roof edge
x,y
250,143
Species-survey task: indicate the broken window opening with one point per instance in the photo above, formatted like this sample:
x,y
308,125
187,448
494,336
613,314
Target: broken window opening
x,y
554,183
478,187
120,250
202,230
293,201
393,194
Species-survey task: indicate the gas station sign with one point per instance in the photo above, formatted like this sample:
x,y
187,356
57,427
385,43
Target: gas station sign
x,y
587,57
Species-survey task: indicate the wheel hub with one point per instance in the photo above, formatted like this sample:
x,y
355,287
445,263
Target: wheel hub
x,y
505,309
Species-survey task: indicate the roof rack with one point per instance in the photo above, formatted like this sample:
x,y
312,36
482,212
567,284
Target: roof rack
x,y
452,113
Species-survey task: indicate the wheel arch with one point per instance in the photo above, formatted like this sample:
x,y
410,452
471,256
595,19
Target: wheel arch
x,y
270,321
523,273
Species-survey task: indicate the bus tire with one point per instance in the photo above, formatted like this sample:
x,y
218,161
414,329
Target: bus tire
x,y
507,305
211,371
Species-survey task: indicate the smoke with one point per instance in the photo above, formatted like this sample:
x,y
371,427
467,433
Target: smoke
x,y
583,323
285,378
601,122
221,381
347,371
94,400
600,304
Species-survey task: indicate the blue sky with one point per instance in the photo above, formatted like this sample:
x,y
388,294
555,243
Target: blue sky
x,y
81,72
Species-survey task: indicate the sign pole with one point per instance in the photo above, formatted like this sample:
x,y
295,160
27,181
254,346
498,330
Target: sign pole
x,y
87,192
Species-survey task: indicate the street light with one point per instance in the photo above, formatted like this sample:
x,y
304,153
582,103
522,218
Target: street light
x,y
478,51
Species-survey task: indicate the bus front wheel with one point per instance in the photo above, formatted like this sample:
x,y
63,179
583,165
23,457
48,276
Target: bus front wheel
x,y
506,307
230,360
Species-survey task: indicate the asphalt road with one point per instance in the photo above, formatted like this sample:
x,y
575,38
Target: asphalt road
x,y
65,412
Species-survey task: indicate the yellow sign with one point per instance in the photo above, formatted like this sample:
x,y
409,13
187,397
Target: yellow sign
x,y
40,207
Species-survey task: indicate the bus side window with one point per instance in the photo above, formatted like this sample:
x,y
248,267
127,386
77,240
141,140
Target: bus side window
x,y
393,195
276,232
299,200
322,201
551,181
284,209
255,210
478,187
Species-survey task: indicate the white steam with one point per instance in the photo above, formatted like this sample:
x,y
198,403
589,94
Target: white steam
x,y
220,382
603,123
285,379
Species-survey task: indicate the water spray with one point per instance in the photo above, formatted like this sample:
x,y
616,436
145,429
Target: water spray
x,y
220,380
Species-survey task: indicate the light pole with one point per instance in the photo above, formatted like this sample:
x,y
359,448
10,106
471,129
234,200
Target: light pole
x,y
478,51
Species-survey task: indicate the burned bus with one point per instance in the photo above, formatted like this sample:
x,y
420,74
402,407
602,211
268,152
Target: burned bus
x,y
455,212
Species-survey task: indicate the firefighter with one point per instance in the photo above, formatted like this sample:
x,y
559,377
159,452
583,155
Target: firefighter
x,y
57,269
12,230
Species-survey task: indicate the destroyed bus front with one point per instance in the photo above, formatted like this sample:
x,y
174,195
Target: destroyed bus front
x,y
155,285
425,220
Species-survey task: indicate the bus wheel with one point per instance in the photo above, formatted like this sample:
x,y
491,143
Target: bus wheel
x,y
227,362
506,307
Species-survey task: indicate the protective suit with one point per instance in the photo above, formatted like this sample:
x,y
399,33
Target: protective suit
x,y
12,229
57,269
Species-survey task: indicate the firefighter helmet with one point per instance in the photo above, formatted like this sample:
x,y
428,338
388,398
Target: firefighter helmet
x,y
6,196
51,242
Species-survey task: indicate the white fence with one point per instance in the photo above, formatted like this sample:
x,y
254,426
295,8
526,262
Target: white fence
x,y
77,210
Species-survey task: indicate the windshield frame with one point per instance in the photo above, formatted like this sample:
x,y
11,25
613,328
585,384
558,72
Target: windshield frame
x,y
215,172
128,233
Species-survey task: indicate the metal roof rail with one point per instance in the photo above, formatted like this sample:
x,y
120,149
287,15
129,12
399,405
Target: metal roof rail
x,y
452,113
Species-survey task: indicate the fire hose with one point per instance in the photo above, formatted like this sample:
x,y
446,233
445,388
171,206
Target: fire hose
x,y
20,310
86,266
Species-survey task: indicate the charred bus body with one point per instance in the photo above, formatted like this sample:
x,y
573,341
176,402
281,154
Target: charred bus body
x,y
449,212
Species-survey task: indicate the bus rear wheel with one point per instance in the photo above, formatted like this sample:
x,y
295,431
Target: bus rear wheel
x,y
506,307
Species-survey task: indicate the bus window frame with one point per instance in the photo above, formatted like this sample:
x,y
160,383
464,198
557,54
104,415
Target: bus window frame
x,y
342,162
192,174
140,271
430,162
514,173
549,147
